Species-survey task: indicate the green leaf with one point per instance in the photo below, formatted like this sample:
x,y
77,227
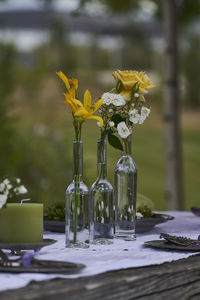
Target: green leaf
x,y
117,119
119,87
135,89
115,142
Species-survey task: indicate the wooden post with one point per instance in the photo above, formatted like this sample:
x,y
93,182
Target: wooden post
x,y
172,111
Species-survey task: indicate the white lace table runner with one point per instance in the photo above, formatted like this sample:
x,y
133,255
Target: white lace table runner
x,y
119,255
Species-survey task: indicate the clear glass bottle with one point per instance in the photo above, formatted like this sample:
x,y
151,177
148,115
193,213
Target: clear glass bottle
x,y
101,201
125,194
77,204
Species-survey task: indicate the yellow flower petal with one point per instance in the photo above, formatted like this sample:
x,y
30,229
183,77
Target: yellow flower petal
x,y
87,100
64,79
78,102
99,119
81,112
97,105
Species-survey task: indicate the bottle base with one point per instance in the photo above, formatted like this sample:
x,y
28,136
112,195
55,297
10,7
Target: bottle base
x,y
102,241
77,245
125,237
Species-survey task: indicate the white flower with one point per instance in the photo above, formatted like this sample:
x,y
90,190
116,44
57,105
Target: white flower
x,y
107,97
18,180
145,111
2,187
22,190
134,116
98,124
9,186
139,215
110,110
123,130
3,199
118,100
136,95
6,181
111,124
115,99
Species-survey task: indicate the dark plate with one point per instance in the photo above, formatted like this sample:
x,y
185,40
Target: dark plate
x,y
162,244
146,224
45,266
196,210
27,246
142,225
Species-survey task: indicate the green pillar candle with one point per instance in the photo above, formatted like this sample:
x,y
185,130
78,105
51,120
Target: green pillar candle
x,y
21,223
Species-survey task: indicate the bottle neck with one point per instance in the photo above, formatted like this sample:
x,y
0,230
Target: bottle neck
x,y
78,159
101,159
127,145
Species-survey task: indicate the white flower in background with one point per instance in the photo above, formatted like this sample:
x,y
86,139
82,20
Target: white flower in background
x,y
22,189
107,97
6,181
2,187
3,199
118,100
139,215
111,124
18,180
136,95
110,110
134,116
9,186
123,130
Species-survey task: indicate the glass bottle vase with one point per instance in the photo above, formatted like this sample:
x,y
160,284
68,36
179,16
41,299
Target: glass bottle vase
x,y
125,194
77,205
101,201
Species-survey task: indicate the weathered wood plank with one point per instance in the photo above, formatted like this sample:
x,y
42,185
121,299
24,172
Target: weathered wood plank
x,y
176,280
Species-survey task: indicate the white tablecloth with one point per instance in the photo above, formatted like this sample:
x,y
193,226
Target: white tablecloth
x,y
119,255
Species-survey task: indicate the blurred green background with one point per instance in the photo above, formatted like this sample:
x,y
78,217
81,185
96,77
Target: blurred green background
x,y
36,130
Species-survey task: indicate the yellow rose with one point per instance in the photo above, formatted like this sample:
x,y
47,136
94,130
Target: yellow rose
x,y
128,80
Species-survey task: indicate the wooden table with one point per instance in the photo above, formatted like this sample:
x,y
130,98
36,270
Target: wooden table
x,y
175,280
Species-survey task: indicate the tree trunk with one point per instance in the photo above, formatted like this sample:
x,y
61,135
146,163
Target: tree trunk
x,y
174,171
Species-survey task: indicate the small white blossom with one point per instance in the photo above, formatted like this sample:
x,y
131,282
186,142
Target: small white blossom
x,y
145,111
18,180
139,215
2,187
111,124
21,189
107,97
9,186
123,130
118,100
6,181
98,124
134,116
136,95
3,199
110,110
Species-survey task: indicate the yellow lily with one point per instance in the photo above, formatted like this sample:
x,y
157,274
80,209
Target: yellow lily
x,y
70,95
86,110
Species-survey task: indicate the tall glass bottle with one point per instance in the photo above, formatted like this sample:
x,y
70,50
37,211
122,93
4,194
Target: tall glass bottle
x,y
125,194
101,201
77,205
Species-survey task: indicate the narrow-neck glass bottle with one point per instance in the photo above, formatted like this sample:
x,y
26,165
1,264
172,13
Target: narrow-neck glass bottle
x,y
77,221
125,194
101,201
